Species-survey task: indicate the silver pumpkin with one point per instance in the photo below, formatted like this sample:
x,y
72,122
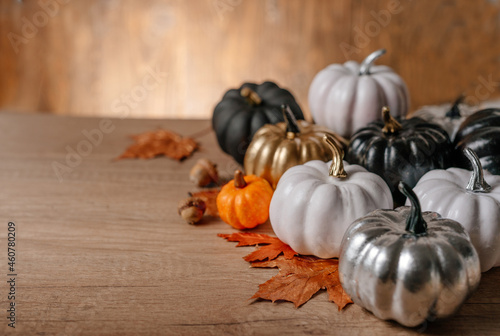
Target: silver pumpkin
x,y
408,266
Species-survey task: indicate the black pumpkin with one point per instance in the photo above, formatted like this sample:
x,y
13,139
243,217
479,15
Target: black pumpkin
x,y
400,151
481,133
241,112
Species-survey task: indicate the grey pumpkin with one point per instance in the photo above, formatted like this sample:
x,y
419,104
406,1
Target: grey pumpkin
x,y
408,266
448,116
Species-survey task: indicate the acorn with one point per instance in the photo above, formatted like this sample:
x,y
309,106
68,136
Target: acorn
x,y
192,209
203,173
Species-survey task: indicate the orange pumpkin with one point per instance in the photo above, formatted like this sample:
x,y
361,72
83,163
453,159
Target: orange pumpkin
x,y
244,202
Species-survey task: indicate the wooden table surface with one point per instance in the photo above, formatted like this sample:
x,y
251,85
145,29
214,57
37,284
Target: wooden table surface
x,y
100,250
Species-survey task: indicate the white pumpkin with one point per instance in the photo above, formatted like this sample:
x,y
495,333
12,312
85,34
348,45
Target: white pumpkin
x,y
448,116
314,204
346,97
472,199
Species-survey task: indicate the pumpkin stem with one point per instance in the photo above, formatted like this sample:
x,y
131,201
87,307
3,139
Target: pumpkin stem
x,y
337,166
292,126
364,68
391,125
251,96
454,111
415,223
239,179
476,182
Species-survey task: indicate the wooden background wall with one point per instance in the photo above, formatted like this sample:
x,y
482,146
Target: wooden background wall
x,y
175,58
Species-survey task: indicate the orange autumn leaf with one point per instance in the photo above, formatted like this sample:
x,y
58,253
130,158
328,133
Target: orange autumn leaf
x,y
272,248
209,197
300,278
160,142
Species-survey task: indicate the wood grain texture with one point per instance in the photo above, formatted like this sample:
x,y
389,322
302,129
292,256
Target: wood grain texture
x,y
103,252
96,57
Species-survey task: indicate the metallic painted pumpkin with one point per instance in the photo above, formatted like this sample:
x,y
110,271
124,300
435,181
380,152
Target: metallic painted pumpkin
x,y
481,133
408,266
241,112
316,202
275,148
400,151
470,198
346,97
448,116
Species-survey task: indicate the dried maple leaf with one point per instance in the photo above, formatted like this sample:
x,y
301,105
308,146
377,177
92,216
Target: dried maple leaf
x,y
272,248
160,142
210,198
300,278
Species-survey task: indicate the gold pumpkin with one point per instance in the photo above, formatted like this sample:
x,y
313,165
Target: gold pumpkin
x,y
275,148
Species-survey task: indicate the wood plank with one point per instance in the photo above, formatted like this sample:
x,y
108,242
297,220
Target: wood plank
x,y
93,57
104,251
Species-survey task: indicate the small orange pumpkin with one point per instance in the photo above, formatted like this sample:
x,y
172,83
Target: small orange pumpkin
x,y
244,202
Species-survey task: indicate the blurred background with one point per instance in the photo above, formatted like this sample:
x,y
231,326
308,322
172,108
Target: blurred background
x,y
176,58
